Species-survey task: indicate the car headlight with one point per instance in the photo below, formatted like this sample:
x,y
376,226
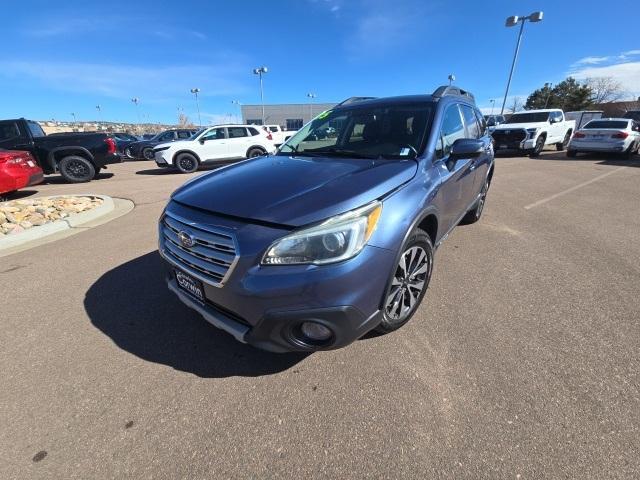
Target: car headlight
x,y
339,238
532,132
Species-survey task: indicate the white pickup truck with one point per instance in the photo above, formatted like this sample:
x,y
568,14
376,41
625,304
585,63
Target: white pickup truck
x,y
278,134
531,130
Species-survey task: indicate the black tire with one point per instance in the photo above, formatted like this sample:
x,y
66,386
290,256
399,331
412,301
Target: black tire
x,y
255,152
565,143
402,282
76,169
186,163
572,153
475,213
628,153
538,148
147,153
128,153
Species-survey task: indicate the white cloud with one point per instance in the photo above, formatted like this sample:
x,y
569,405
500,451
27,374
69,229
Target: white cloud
x,y
151,84
622,67
628,74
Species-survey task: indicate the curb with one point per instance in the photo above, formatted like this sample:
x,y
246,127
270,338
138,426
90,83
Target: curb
x,y
77,220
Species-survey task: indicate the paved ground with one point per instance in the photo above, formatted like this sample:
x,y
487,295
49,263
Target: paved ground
x,y
523,361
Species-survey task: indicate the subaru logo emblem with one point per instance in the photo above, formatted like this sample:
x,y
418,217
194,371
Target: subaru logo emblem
x,y
186,240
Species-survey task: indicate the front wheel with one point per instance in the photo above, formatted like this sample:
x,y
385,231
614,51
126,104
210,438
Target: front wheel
x,y
409,282
186,163
148,154
76,169
538,148
128,153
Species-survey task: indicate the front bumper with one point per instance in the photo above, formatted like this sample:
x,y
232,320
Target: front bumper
x,y
263,305
160,160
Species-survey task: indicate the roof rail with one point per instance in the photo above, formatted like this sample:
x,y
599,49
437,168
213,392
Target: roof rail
x,y
453,90
354,100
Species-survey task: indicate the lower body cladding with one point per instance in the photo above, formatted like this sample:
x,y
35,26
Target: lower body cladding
x,y
277,308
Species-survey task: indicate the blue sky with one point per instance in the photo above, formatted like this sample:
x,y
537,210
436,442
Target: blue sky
x,y
70,56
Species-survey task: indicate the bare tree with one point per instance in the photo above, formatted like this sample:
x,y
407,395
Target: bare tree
x,y
183,121
604,90
516,105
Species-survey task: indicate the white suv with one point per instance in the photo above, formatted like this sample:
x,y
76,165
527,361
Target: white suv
x,y
220,143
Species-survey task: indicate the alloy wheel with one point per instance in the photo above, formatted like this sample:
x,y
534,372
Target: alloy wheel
x,y
408,283
77,169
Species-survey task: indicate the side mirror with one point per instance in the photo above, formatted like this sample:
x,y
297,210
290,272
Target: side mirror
x,y
466,148
202,140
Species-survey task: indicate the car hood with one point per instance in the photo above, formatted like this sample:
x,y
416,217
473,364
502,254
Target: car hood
x,y
294,191
515,126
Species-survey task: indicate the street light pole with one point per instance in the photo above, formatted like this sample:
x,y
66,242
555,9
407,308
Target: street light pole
x,y
259,71
452,78
75,122
493,104
99,109
512,22
237,102
311,96
195,91
135,100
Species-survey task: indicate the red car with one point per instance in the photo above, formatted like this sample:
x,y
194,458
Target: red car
x,y
18,169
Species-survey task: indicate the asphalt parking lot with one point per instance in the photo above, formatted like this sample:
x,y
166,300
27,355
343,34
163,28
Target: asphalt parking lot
x,y
523,361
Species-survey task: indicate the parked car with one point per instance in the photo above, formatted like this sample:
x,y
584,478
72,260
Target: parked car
x,y
582,117
328,239
614,135
18,169
143,149
78,157
494,120
221,143
632,114
531,130
123,140
278,133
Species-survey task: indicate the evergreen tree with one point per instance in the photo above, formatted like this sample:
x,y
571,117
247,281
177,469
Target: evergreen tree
x,y
568,95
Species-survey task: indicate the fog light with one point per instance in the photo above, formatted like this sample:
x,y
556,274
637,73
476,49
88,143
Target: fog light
x,y
315,331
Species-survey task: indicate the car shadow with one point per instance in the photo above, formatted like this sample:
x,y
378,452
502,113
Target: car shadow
x,y
17,195
132,305
606,158
59,180
172,171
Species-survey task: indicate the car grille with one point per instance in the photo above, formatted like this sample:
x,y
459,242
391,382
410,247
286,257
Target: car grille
x,y
212,256
509,137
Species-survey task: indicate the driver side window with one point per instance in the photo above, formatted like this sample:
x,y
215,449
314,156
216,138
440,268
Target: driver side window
x,y
215,134
452,129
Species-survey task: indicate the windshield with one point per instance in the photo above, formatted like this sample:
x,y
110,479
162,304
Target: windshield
x,y
529,117
380,131
195,135
606,124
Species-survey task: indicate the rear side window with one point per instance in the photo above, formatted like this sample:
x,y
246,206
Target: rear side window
x,y
471,122
253,131
183,134
452,129
9,131
273,129
35,129
166,136
482,123
237,132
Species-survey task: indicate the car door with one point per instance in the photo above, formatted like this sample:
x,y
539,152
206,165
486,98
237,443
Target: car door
x,y
457,176
239,142
557,128
213,145
483,162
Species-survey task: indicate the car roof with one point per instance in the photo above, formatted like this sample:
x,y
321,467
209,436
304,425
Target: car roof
x,y
611,119
399,100
541,110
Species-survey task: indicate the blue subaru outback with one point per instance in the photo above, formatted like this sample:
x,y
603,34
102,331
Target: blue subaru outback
x,y
335,234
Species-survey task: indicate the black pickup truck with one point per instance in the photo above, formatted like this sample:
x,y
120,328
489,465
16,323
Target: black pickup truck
x,y
78,157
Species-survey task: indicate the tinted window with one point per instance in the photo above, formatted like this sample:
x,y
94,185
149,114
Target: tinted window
x,y
452,129
215,134
606,124
9,131
184,134
473,130
166,136
254,131
482,122
35,129
294,123
273,129
254,121
237,132
529,117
